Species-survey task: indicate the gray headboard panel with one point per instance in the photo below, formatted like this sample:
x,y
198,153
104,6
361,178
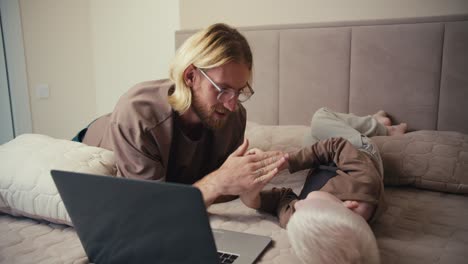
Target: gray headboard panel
x,y
415,69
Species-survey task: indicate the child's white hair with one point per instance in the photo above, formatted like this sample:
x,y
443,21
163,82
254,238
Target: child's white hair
x,y
331,233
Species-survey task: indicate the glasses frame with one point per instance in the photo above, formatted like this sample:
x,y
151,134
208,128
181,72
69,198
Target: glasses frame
x,y
224,90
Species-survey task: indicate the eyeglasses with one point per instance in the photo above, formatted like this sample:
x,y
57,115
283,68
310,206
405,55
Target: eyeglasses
x,y
226,94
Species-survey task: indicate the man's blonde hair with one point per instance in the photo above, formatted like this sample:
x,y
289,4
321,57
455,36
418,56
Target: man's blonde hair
x,y
331,233
208,48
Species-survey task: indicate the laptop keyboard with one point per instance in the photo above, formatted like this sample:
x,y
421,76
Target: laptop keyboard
x,y
226,257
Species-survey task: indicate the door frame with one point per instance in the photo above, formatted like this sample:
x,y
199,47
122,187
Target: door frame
x,y
16,65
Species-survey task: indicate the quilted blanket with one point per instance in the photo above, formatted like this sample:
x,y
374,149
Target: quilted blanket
x,y
420,226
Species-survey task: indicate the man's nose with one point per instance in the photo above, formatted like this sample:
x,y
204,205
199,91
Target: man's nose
x,y
231,105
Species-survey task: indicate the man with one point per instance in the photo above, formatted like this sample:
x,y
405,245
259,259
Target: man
x,y
190,129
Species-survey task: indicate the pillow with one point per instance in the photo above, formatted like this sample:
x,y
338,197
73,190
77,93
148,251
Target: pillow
x,y
433,160
26,186
283,138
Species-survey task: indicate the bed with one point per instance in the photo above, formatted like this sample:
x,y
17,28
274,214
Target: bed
x,y
415,69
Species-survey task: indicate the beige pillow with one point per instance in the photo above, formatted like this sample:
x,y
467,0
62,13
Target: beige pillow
x,y
26,186
284,138
433,160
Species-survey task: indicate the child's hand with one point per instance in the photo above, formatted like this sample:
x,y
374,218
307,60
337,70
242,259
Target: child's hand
x,y
251,198
276,152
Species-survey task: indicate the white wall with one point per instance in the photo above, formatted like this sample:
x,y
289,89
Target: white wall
x,y
133,41
200,13
59,53
90,52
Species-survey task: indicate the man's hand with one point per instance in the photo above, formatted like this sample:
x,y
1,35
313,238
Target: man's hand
x,y
240,173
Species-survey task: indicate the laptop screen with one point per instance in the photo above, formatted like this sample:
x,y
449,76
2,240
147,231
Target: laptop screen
x,y
122,220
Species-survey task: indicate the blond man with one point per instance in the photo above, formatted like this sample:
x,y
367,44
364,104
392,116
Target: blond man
x,y
190,129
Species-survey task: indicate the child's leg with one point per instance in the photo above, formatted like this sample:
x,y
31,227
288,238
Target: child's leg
x,y
327,123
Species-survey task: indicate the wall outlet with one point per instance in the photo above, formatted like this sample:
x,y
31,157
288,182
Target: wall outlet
x,y
42,91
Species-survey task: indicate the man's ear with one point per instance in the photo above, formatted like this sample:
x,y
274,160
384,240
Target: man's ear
x,y
189,75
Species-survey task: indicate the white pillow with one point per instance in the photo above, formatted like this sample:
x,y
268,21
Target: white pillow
x,y
26,186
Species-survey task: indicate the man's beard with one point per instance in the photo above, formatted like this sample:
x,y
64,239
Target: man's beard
x,y
207,116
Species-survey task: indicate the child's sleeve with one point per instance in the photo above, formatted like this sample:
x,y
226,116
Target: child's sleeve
x,y
333,150
279,202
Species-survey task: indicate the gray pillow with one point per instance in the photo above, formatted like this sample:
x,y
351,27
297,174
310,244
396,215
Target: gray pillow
x,y
433,160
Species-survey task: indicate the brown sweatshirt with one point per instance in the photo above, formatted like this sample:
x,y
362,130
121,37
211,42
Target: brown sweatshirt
x,y
145,134
358,178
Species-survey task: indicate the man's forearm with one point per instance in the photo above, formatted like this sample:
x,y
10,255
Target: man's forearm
x,y
209,189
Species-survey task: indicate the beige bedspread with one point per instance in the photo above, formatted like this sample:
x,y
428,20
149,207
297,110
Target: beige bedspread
x,y
419,227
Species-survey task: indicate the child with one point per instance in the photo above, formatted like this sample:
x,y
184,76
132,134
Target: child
x,y
342,198
356,173
357,181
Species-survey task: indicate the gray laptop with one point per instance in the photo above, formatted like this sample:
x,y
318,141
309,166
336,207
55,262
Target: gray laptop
x,y
121,220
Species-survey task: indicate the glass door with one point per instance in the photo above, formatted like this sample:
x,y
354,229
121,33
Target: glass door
x,y
6,119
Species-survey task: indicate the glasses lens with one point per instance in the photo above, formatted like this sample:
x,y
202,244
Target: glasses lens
x,y
226,95
245,95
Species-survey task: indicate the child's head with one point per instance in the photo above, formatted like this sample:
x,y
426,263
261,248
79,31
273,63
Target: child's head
x,y
324,230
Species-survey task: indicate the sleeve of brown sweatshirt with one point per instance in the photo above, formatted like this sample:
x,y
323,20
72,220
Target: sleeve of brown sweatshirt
x,y
280,202
324,152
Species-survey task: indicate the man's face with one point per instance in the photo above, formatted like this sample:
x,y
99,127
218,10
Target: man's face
x,y
213,116
205,104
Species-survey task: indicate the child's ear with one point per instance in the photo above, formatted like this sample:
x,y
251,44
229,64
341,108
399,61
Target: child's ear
x,y
351,204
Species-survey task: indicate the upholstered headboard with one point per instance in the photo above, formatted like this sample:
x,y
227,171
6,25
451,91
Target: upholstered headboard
x,y
415,69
